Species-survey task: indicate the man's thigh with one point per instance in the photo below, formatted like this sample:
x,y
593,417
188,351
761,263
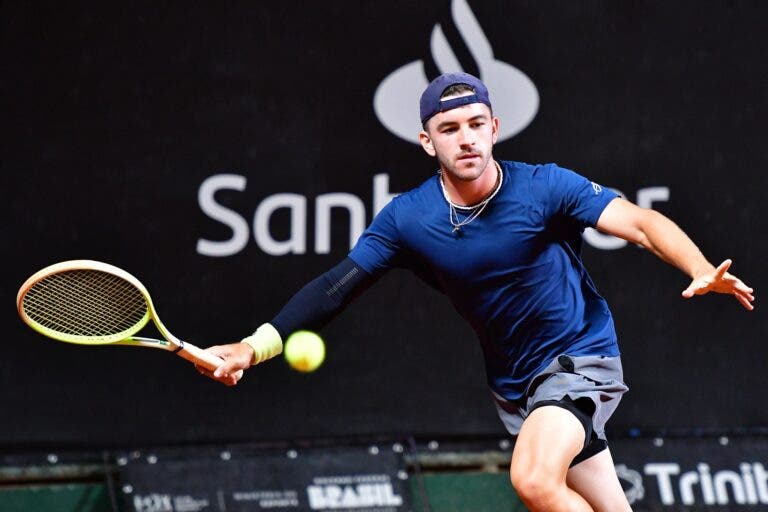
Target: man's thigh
x,y
549,439
596,481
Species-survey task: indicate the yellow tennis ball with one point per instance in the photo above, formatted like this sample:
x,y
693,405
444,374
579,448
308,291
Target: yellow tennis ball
x,y
304,351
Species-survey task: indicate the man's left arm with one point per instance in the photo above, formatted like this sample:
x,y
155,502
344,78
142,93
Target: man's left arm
x,y
666,240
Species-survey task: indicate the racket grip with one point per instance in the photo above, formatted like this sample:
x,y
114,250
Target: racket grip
x,y
199,356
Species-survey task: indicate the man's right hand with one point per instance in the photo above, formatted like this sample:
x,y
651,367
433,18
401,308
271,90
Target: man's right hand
x,y
237,358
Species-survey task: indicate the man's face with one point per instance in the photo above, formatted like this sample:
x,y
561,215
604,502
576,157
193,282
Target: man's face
x,y
462,139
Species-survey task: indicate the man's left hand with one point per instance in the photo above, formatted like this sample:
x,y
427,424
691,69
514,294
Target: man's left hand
x,y
720,281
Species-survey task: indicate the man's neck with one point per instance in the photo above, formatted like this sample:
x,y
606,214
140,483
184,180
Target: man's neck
x,y
468,193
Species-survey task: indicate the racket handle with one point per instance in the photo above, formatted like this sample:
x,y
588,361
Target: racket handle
x,y
200,357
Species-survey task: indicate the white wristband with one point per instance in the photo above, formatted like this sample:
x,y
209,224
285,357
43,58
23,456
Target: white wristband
x,y
265,342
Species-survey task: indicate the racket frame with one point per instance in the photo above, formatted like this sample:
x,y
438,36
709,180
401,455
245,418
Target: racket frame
x,y
171,343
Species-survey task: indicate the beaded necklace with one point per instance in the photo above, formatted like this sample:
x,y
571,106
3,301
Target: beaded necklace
x,y
474,210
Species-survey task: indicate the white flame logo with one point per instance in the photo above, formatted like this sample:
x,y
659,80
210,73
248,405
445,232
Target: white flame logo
x,y
513,95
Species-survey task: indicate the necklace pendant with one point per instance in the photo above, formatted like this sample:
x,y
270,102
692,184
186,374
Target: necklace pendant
x,y
456,229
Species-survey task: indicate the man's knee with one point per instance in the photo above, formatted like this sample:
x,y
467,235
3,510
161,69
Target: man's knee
x,y
538,485
537,489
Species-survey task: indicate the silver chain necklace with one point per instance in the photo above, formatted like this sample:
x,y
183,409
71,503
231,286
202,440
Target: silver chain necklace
x,y
476,209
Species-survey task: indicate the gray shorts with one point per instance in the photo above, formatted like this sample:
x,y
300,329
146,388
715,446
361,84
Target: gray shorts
x,y
599,378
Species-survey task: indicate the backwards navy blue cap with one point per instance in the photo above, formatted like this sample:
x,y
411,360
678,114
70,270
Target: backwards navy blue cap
x,y
430,103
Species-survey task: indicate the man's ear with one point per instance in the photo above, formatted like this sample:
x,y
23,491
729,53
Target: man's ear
x,y
426,143
495,123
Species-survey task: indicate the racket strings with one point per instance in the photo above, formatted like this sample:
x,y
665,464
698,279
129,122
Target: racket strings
x,y
87,303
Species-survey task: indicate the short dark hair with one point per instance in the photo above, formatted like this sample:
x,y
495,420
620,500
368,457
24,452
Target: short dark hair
x,y
456,89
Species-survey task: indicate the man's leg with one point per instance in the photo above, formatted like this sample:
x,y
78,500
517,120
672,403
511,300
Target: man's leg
x,y
549,439
595,479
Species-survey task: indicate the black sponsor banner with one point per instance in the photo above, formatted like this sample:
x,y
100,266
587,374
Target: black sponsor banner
x,y
352,479
693,474
227,154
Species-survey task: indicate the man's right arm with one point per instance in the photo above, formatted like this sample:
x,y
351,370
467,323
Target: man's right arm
x,y
310,308
318,301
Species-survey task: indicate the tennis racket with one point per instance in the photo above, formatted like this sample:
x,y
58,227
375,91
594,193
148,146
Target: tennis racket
x,y
94,303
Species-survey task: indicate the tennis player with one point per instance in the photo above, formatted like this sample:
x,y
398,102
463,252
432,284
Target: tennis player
x,y
502,240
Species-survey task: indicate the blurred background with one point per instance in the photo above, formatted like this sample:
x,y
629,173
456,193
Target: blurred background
x,y
225,153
